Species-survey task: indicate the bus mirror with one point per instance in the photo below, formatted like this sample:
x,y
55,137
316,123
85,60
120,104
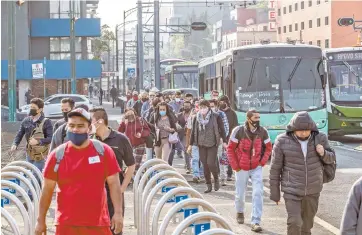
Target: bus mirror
x,y
332,80
323,80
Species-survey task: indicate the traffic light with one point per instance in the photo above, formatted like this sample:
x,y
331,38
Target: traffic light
x,y
345,21
20,2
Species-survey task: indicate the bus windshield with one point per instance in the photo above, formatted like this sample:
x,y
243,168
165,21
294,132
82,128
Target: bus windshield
x,y
186,80
278,85
348,78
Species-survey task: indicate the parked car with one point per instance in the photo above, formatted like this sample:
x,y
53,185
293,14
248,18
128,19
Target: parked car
x,y
5,112
52,104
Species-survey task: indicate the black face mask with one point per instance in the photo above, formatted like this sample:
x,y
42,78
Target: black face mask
x,y
302,138
65,116
255,124
144,99
223,106
187,110
33,112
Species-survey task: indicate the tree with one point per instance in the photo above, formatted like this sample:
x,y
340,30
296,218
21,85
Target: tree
x,y
103,43
176,45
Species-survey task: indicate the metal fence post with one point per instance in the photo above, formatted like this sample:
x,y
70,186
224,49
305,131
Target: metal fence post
x,y
26,172
27,201
186,190
220,221
206,206
21,207
148,201
137,179
217,231
29,166
11,221
143,181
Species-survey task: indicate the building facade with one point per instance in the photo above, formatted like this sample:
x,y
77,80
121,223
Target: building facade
x,y
315,22
43,33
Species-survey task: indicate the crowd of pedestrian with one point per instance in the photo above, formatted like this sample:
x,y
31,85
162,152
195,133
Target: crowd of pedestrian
x,y
82,148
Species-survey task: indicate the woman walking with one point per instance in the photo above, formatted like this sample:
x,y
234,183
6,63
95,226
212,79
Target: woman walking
x,y
165,125
207,130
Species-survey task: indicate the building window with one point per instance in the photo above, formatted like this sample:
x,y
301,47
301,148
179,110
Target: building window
x,y
284,29
60,8
296,7
326,43
326,0
319,22
279,12
319,43
290,28
302,5
310,43
265,28
60,48
284,10
326,20
310,23
296,26
318,2
290,8
302,26
310,3
279,30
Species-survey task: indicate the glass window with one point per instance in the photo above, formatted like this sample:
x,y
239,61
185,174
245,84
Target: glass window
x,y
310,23
310,3
310,43
65,44
290,8
296,26
284,29
60,8
77,99
279,12
326,20
290,28
279,30
55,100
326,43
265,28
296,7
318,2
284,10
54,44
302,5
54,9
319,22
65,56
319,43
55,56
302,25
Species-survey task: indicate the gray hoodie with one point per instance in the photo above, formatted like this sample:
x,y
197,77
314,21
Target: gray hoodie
x,y
352,217
58,138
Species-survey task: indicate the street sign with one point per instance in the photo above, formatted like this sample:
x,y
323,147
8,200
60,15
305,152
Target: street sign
x,y
37,70
198,26
199,228
110,74
131,72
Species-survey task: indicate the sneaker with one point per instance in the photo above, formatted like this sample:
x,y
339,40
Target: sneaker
x,y
188,171
223,183
229,179
196,179
240,218
256,228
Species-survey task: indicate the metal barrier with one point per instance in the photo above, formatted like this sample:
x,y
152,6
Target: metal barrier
x,y
22,209
147,164
11,221
29,166
173,182
144,179
28,202
26,172
217,231
12,175
201,216
179,194
190,206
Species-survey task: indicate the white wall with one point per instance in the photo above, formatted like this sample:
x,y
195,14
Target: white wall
x,y
23,87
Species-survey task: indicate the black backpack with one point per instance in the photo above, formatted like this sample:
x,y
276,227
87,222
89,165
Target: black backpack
x,y
329,170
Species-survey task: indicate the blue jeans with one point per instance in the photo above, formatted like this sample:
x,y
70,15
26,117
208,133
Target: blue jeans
x,y
241,181
39,165
197,168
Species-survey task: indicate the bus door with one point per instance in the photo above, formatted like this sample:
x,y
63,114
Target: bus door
x,y
227,82
202,84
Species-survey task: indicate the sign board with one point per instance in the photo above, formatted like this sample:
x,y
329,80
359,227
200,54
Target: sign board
x,y
131,72
198,26
37,71
272,4
110,74
184,69
190,211
272,15
345,56
165,189
179,198
199,228
272,26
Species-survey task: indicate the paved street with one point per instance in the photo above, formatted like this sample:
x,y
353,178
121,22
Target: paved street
x,y
331,205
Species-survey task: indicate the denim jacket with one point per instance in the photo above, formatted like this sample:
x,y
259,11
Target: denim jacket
x,y
27,126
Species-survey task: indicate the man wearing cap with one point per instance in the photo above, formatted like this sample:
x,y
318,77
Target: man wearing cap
x,y
133,100
82,170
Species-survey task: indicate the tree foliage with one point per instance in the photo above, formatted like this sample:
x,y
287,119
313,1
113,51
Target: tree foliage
x,y
103,43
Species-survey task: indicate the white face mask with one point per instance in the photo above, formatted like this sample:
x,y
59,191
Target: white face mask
x,y
94,129
177,99
213,109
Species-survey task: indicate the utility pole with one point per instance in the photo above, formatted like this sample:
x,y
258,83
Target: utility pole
x,y
124,52
117,67
72,46
140,44
108,64
156,29
12,61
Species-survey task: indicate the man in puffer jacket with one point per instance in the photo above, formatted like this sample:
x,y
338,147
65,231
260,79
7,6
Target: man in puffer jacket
x,y
248,151
297,165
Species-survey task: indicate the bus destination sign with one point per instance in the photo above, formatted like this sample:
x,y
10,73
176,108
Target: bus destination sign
x,y
345,56
185,69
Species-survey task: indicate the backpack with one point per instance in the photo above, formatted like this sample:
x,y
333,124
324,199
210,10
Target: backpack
x,y
329,170
59,152
38,152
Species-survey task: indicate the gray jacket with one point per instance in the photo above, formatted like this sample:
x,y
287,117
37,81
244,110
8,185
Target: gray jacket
x,y
59,137
352,217
298,175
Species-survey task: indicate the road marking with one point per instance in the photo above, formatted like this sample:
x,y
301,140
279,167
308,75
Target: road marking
x,y
350,170
348,149
318,220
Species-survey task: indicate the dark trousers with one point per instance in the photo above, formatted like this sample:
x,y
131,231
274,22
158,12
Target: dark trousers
x,y
301,212
114,102
210,161
100,99
230,171
111,210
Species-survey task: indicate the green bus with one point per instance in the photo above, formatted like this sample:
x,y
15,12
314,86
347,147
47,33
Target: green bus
x,y
181,75
278,80
344,90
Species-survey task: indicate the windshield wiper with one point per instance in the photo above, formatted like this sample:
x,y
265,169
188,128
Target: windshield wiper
x,y
351,69
294,70
251,74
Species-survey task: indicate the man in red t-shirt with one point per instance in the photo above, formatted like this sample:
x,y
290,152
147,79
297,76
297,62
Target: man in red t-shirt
x,y
81,176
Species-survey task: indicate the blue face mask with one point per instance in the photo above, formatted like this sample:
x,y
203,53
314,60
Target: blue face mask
x,y
162,113
77,138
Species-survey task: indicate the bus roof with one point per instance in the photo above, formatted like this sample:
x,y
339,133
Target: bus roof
x,y
342,49
170,68
172,60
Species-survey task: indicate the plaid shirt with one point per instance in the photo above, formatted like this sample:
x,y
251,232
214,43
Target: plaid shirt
x,y
224,120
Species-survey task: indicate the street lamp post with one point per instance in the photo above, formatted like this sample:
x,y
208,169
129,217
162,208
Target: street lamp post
x,y
12,61
72,47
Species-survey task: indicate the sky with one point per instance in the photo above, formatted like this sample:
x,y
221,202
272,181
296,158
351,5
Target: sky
x,y
111,11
